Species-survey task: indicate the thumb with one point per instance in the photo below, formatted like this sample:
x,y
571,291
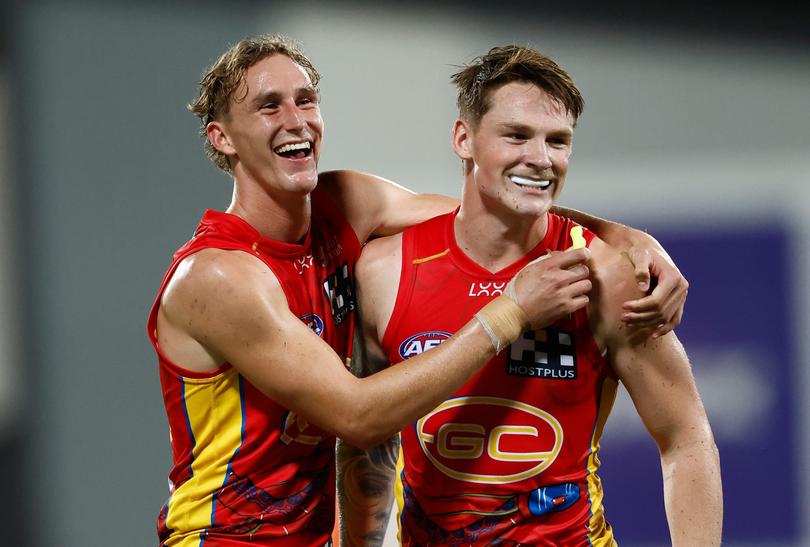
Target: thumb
x,y
641,263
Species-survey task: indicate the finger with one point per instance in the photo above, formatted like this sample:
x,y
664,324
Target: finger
x,y
581,287
661,330
651,315
578,272
670,325
678,316
579,302
637,319
641,260
672,302
571,257
640,305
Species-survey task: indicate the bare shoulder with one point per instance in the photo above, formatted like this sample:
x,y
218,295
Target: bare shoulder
x,y
613,270
613,284
215,275
215,294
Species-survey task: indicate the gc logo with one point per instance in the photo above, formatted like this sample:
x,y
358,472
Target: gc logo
x,y
509,441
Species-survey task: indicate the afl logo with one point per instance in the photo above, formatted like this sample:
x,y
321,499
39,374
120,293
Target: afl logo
x,y
313,322
423,341
489,440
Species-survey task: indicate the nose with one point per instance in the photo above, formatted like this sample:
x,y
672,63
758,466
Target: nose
x,y
293,118
537,155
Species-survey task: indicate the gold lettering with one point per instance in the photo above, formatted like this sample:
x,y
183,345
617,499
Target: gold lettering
x,y
500,431
460,441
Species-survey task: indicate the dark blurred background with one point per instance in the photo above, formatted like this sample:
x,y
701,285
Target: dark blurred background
x,y
697,128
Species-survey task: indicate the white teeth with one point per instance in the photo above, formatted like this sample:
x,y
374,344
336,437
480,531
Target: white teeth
x,y
291,147
531,183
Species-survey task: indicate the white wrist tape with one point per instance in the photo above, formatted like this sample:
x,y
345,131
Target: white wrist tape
x,y
503,320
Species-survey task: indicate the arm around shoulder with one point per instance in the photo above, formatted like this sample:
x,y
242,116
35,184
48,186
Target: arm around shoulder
x,y
375,206
662,310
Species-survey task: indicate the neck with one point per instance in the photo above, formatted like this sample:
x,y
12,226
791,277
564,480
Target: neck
x,y
280,217
495,238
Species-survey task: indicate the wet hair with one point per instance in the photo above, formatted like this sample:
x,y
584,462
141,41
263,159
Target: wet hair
x,y
477,80
220,83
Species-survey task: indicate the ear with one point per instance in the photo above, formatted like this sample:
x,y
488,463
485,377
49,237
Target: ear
x,y
219,139
461,139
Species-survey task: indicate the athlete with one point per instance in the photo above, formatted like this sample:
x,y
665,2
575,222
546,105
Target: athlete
x,y
253,321
511,457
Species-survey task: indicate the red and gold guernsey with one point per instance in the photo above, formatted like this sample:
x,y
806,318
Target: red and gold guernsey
x,y
511,458
246,470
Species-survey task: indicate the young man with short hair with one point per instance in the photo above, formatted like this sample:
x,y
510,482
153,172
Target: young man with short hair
x,y
511,457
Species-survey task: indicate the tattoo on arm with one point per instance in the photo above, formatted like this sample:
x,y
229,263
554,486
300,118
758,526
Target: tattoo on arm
x,y
365,478
365,484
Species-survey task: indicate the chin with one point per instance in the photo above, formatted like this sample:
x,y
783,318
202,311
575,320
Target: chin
x,y
303,182
532,208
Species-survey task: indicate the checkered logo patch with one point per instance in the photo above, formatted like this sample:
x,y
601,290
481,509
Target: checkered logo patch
x,y
547,353
338,287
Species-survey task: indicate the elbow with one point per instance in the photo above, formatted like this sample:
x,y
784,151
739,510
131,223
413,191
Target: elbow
x,y
364,429
363,435
702,446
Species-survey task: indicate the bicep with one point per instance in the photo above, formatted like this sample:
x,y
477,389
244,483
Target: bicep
x,y
375,206
660,382
404,208
242,315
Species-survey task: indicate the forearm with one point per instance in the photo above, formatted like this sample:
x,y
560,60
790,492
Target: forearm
x,y
365,491
395,397
617,235
693,494
411,209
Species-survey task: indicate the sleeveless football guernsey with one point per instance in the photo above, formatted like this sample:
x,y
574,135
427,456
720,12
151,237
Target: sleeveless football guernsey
x,y
510,458
247,471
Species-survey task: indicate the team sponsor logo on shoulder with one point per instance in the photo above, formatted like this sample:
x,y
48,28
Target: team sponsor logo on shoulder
x,y
546,354
489,440
314,322
491,288
423,341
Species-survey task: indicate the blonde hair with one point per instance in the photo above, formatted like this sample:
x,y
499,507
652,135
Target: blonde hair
x,y
222,80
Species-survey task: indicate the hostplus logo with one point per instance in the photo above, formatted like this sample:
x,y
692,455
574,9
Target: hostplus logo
x,y
546,353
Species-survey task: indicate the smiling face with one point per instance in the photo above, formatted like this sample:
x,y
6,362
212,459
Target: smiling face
x,y
272,131
517,155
